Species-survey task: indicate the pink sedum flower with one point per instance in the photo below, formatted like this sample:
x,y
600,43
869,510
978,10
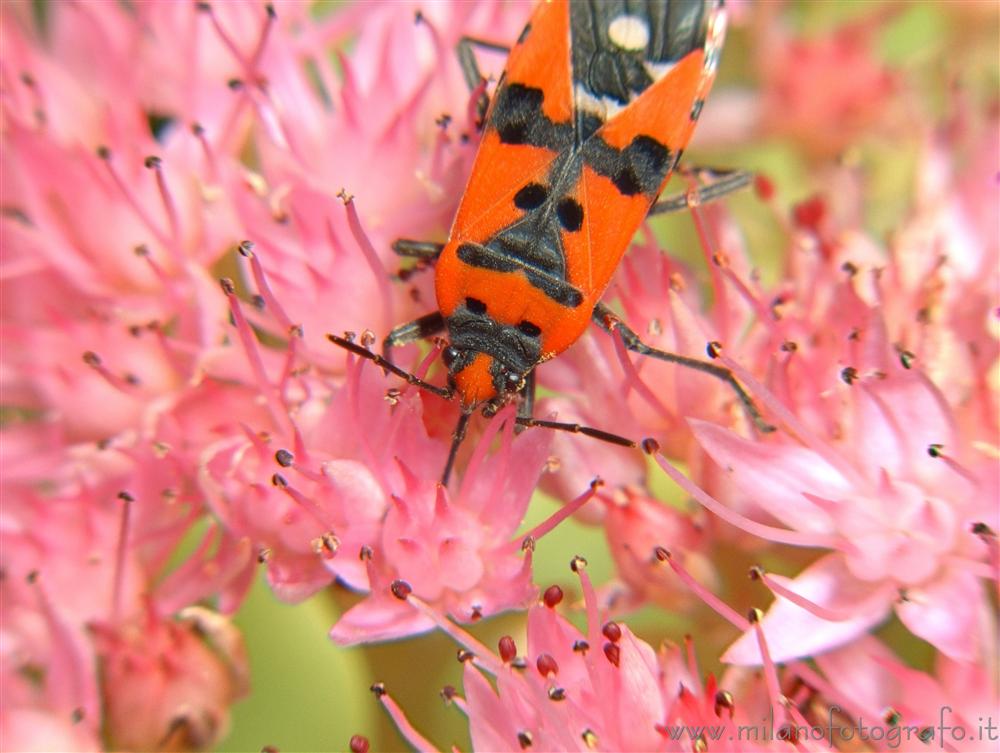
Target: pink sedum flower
x,y
635,525
953,706
168,684
824,91
602,688
883,492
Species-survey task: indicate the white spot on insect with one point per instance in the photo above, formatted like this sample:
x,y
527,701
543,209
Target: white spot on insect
x,y
657,71
604,108
629,32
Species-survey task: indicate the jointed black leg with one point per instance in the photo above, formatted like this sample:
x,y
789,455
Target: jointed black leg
x,y
426,326
721,184
526,408
470,70
467,58
610,323
588,431
426,250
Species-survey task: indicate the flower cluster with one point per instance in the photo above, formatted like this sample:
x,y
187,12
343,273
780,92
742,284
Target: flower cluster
x,y
194,195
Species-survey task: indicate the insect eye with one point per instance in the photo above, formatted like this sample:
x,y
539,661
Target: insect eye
x,y
475,305
529,329
449,354
513,381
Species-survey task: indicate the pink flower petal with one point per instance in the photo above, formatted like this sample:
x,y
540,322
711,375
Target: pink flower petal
x,y
379,619
945,613
792,631
898,418
776,477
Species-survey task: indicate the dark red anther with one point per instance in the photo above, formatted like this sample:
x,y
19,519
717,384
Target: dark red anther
x,y
507,649
401,589
547,665
763,187
552,596
613,653
359,744
810,213
724,701
612,631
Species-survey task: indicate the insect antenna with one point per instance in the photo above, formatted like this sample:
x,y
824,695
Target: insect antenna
x,y
462,426
588,431
387,365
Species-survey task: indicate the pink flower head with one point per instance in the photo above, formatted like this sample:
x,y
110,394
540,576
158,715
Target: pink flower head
x,y
120,543
898,510
168,684
825,91
334,471
634,525
953,706
599,689
456,551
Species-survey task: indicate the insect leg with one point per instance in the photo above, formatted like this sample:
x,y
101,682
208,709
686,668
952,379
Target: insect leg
x,y
610,323
467,58
527,406
425,252
474,77
720,183
411,249
418,329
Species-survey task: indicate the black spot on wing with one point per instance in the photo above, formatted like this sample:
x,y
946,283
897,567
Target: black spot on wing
x,y
561,292
518,119
638,168
570,214
486,257
479,256
531,196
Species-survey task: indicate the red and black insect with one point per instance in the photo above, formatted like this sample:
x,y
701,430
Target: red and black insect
x,y
587,123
